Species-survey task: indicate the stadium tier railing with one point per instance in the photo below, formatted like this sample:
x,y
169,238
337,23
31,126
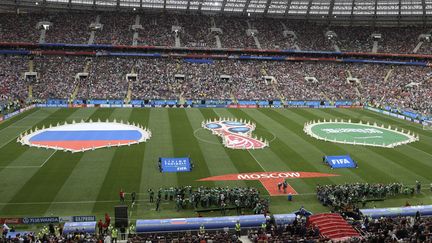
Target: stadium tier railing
x,y
241,51
284,57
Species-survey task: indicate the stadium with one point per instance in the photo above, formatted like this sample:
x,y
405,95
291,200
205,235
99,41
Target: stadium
x,y
215,121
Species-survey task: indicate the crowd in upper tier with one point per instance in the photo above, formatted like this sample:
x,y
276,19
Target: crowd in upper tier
x,y
169,78
207,31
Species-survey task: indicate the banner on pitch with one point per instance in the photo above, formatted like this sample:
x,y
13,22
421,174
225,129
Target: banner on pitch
x,y
340,161
175,164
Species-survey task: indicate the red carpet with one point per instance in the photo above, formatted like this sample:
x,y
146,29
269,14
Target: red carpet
x,y
332,225
271,186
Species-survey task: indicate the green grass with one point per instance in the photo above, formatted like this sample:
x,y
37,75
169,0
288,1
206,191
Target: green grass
x,y
88,183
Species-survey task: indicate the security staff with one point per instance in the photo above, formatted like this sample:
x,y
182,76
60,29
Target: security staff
x,y
264,227
202,230
114,235
238,228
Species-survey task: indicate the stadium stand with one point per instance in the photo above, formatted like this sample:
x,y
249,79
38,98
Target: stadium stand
x,y
208,31
402,229
170,78
97,74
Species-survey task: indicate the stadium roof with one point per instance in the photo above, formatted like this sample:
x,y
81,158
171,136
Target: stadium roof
x,y
292,8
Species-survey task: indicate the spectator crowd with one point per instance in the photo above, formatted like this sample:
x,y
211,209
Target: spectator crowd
x,y
199,31
403,87
397,229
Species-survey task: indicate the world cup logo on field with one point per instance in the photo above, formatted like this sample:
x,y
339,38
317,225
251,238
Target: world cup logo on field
x,y
235,134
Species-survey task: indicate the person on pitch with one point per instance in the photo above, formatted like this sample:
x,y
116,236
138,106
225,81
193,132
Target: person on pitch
x,y
107,222
122,195
133,197
418,187
107,219
290,197
151,194
100,225
158,201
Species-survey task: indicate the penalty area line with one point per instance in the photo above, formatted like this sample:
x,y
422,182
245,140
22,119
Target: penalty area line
x,y
256,160
48,159
75,202
28,166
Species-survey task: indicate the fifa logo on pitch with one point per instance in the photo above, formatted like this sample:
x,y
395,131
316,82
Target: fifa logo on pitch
x,y
340,161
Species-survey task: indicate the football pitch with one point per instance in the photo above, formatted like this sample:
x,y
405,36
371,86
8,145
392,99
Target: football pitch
x,y
47,182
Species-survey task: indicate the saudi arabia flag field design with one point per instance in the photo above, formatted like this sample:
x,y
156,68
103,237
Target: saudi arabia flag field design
x,y
359,133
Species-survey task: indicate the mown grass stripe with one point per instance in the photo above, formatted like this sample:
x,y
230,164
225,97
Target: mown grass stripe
x,y
301,185
306,159
8,144
47,181
185,144
159,145
366,115
366,170
335,148
289,147
371,116
11,121
11,150
398,159
124,166
89,173
216,158
241,159
14,178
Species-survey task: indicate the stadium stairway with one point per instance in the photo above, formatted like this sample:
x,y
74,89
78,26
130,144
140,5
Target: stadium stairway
x,y
30,92
245,239
233,98
128,97
276,90
388,75
333,226
30,87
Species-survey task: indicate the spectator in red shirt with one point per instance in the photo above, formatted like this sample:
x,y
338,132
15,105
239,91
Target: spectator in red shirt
x,y
107,219
100,226
122,195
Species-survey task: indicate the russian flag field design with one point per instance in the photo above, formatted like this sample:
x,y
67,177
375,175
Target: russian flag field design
x,y
85,136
